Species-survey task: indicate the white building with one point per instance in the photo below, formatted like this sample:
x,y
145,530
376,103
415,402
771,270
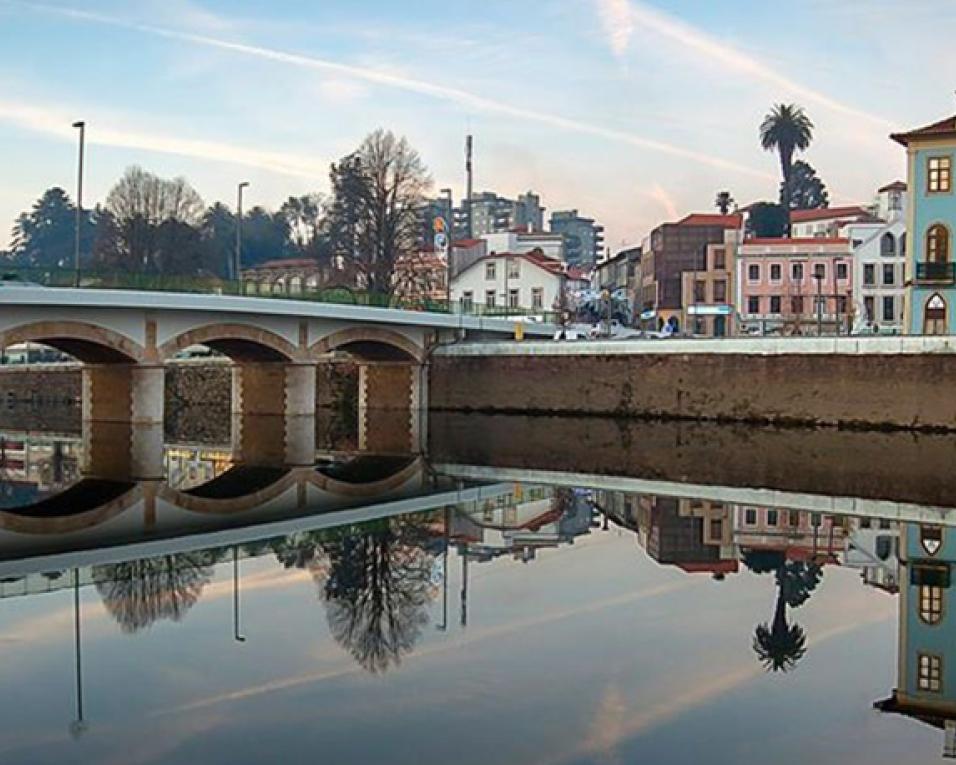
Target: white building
x,y
879,252
500,281
825,222
522,240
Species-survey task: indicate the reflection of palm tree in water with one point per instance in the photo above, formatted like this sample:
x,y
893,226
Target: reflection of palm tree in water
x,y
376,591
780,645
140,592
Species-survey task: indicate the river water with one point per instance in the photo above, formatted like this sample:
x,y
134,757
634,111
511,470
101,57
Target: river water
x,y
525,591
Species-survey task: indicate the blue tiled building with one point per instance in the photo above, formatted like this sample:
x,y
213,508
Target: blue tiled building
x,y
931,222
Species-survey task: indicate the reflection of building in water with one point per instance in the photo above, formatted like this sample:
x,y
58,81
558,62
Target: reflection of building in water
x,y
926,662
872,546
521,523
33,469
187,467
800,535
694,535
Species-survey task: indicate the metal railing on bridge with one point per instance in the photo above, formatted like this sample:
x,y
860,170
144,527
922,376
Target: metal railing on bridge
x,y
13,278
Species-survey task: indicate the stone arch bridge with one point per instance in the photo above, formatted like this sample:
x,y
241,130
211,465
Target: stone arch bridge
x,y
124,339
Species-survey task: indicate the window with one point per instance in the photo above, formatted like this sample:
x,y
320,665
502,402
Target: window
x,y
937,244
514,268
775,272
773,517
716,528
820,271
753,272
490,298
868,306
537,297
700,292
467,300
889,308
841,304
720,291
513,298
750,517
796,305
720,259
869,274
775,304
841,271
889,274
490,271
753,304
930,604
888,246
796,272
929,672
940,175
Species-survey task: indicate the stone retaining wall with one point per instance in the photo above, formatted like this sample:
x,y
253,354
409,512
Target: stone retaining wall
x,y
873,391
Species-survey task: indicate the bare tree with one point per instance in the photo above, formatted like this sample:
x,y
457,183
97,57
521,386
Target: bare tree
x,y
374,217
140,203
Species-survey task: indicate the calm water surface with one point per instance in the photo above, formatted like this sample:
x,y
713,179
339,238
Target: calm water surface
x,y
526,591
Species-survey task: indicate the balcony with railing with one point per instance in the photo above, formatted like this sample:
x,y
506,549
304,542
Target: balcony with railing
x,y
931,272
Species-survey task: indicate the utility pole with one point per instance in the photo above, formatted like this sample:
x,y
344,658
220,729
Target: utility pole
x,y
241,186
469,179
81,126
819,277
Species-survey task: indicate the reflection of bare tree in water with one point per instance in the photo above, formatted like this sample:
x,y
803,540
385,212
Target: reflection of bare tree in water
x,y
140,592
376,591
297,550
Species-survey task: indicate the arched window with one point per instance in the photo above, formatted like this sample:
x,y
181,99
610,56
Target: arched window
x,y
888,246
934,317
937,244
930,604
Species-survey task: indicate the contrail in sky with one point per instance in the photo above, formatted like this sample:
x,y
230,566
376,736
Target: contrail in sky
x,y
458,96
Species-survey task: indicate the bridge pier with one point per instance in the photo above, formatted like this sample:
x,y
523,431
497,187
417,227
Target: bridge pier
x,y
122,421
392,404
273,413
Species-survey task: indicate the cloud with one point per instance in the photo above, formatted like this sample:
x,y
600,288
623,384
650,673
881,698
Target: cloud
x,y
618,24
56,122
620,18
390,79
665,200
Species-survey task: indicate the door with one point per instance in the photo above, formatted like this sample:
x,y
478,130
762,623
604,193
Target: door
x,y
934,318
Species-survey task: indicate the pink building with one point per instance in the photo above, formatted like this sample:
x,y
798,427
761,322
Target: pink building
x,y
795,286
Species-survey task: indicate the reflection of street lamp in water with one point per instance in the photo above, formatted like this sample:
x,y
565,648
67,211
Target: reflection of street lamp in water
x,y
78,725
235,596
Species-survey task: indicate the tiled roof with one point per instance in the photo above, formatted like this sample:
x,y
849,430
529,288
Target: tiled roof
x,y
288,263
467,244
826,213
895,186
707,219
943,129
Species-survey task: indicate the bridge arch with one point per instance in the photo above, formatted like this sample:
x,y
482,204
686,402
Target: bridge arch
x,y
371,344
237,490
367,476
84,505
240,342
85,342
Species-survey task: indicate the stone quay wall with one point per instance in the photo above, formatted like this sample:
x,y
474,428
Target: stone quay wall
x,y
845,382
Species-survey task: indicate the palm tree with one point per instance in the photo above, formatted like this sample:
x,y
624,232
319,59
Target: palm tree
x,y
779,646
724,202
786,130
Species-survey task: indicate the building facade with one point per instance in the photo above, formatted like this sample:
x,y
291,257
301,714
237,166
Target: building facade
x,y
931,222
491,213
671,250
506,281
825,222
526,239
926,661
795,286
583,238
707,295
879,255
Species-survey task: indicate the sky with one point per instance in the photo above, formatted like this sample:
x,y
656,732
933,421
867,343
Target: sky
x,y
633,112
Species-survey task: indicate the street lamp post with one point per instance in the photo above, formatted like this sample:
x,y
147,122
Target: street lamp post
x,y
239,638
819,277
81,126
239,189
78,725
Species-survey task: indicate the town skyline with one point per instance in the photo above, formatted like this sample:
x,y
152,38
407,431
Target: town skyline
x,y
179,94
